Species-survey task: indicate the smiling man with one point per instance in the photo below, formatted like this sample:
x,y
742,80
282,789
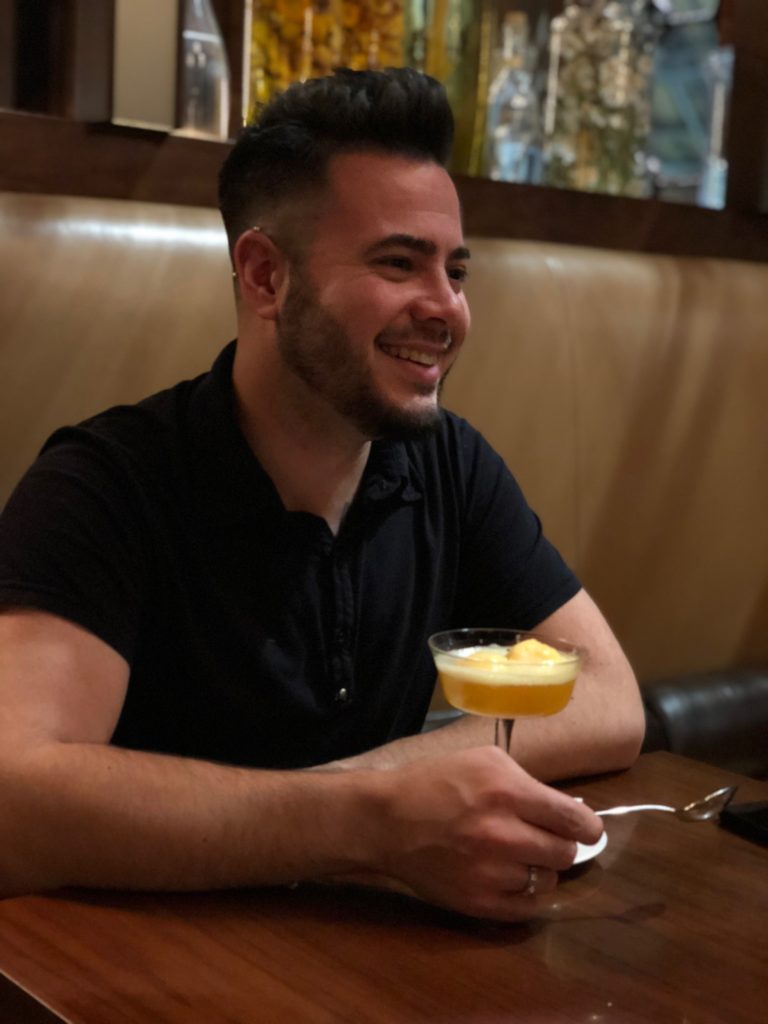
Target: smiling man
x,y
233,581
353,335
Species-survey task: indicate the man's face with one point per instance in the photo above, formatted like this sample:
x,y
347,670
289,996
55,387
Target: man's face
x,y
375,314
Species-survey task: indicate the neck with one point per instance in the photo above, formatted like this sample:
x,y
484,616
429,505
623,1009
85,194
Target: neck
x,y
315,459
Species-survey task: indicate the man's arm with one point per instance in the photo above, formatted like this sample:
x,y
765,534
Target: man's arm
x,y
459,831
601,730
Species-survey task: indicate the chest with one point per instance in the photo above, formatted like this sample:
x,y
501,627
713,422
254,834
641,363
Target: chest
x,y
273,627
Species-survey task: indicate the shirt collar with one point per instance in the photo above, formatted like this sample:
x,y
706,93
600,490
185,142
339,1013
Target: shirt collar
x,y
224,454
390,472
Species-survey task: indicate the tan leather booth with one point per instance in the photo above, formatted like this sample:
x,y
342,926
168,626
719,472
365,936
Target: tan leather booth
x,y
626,391
101,302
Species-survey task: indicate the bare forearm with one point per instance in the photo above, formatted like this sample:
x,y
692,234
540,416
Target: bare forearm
x,y
466,732
92,815
600,730
458,831
597,732
602,727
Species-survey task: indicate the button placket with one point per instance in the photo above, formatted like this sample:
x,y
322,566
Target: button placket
x,y
344,609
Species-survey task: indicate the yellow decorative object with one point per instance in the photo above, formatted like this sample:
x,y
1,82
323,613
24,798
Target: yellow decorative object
x,y
292,40
453,49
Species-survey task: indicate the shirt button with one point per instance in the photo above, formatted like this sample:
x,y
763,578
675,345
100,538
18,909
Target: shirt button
x,y
342,694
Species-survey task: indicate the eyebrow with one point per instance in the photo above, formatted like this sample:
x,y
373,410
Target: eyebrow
x,y
421,245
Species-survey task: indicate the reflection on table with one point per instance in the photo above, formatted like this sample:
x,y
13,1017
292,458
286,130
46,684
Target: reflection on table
x,y
668,924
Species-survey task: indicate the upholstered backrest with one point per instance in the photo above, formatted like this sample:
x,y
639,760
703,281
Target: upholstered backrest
x,y
101,302
627,393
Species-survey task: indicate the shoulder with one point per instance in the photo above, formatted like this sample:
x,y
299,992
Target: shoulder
x,y
136,439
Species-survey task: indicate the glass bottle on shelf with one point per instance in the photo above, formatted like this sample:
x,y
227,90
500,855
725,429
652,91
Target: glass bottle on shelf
x,y
597,110
513,115
712,188
445,39
204,73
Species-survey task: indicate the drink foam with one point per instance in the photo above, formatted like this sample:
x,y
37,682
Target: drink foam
x,y
490,666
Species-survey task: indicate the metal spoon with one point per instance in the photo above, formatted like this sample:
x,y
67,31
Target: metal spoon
x,y
700,810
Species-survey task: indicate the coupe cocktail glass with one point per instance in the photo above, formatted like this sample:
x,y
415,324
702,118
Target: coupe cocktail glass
x,y
483,674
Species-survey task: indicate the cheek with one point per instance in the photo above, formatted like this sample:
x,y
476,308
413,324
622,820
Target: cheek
x,y
371,302
467,314
462,322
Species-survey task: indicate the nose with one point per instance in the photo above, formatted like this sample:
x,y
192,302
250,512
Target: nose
x,y
439,300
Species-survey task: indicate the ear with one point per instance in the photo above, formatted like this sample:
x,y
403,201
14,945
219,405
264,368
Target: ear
x,y
261,270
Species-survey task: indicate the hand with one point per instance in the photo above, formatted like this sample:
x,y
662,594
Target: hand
x,y
462,831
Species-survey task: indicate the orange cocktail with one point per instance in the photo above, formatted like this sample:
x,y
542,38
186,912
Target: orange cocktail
x,y
504,674
492,681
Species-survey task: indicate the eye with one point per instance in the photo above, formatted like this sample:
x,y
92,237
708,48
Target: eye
x,y
404,263
459,273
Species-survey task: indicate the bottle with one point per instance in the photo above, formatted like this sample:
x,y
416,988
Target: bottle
x,y
513,117
597,111
714,179
445,41
204,86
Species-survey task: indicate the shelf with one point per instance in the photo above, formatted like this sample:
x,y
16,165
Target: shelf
x,y
495,209
56,155
59,156
76,155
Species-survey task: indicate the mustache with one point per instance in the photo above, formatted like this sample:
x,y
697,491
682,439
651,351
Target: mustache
x,y
402,335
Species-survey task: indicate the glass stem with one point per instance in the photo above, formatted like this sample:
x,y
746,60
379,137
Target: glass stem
x,y
503,735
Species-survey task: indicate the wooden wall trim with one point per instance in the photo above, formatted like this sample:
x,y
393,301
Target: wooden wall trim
x,y
59,156
496,210
7,53
747,148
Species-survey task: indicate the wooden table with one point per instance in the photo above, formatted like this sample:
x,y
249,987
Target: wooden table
x,y
669,925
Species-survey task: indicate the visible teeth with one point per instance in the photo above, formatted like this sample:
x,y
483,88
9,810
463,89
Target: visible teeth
x,y
424,358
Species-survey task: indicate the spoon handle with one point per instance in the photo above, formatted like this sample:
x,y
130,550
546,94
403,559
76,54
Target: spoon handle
x,y
610,811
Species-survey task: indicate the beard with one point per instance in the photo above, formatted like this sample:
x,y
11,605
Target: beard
x,y
318,349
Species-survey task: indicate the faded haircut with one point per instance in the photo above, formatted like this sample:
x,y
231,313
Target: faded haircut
x,y
282,157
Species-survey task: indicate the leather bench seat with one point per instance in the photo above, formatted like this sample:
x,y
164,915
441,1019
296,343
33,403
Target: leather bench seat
x,y
718,717
626,392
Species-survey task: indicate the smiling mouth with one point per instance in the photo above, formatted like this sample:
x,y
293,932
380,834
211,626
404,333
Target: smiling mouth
x,y
411,355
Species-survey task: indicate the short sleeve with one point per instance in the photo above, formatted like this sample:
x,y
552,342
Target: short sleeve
x,y
71,543
510,574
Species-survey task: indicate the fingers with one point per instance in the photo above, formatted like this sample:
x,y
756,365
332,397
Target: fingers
x,y
539,804
534,845
474,832
518,900
535,881
550,812
558,813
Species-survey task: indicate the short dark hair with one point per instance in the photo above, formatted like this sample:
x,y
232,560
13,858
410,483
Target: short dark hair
x,y
284,153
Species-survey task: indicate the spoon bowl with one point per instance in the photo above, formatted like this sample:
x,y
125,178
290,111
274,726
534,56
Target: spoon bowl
x,y
705,809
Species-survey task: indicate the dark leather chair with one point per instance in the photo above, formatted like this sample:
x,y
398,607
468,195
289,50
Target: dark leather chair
x,y
717,717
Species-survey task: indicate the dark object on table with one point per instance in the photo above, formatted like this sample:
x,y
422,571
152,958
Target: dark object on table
x,y
748,820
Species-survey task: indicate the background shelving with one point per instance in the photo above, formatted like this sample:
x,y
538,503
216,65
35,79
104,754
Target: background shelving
x,y
68,146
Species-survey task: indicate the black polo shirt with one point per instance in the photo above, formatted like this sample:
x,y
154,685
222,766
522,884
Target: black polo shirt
x,y
253,635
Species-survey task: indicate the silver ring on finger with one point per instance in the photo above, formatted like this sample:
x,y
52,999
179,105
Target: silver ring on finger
x,y
533,878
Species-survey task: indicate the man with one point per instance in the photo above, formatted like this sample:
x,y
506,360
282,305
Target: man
x,y
235,579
